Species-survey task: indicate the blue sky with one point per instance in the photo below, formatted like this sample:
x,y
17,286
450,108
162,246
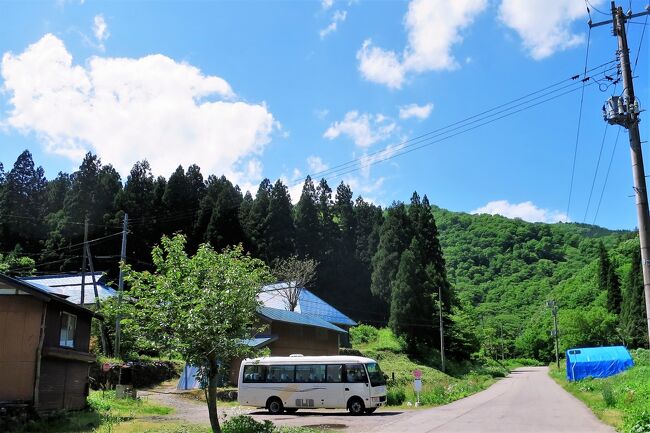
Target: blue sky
x,y
283,89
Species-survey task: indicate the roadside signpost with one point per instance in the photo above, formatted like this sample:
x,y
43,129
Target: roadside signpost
x,y
417,385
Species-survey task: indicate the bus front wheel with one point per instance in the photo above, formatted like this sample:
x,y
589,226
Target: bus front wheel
x,y
274,405
356,406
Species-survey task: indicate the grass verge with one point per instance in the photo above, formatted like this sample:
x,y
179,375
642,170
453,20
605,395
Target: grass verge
x,y
622,401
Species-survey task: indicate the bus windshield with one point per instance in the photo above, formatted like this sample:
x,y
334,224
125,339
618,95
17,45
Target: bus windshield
x,y
376,375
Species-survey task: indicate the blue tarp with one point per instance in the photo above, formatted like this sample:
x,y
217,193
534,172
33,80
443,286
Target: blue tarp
x,y
596,362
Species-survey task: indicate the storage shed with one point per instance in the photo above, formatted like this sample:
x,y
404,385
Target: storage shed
x,y
44,348
596,362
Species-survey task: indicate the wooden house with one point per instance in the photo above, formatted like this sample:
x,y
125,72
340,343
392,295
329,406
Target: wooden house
x,y
44,348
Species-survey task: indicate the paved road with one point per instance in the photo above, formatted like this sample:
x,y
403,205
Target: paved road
x,y
527,401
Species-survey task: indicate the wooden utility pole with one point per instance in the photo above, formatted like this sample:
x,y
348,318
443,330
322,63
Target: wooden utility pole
x,y
442,331
553,306
83,263
624,111
120,287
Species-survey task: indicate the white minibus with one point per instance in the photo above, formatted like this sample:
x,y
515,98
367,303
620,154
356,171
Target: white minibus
x,y
309,382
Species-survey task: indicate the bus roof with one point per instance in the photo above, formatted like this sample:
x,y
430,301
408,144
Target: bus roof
x,y
308,360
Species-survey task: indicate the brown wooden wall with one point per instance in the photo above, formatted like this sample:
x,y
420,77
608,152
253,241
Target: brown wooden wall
x,y
53,327
306,340
63,384
20,323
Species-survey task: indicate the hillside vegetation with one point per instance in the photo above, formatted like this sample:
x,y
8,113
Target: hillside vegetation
x,y
505,270
622,400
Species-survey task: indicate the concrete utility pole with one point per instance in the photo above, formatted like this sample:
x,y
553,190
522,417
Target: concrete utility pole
x,y
624,111
120,286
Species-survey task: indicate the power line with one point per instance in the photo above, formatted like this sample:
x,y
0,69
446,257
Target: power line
x,y
461,123
429,142
600,153
575,150
638,51
609,166
385,154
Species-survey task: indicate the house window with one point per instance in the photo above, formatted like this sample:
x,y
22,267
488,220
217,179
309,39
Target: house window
x,y
68,328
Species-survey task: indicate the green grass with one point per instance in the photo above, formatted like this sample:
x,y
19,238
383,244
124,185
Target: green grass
x,y
437,387
622,401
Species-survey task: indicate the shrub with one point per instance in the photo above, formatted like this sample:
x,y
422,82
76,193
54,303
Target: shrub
x,y
395,396
608,395
637,421
363,334
246,424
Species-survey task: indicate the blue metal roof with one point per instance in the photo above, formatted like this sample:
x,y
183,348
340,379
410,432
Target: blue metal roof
x,y
308,303
315,306
258,342
68,286
297,318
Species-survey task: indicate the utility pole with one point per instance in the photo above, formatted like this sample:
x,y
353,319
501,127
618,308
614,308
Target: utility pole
x,y
553,306
442,332
120,287
83,263
624,111
102,331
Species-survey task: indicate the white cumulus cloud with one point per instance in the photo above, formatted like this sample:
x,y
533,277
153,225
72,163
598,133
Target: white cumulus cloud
x,y
365,129
326,4
526,211
337,17
433,27
544,28
316,164
129,109
415,110
100,28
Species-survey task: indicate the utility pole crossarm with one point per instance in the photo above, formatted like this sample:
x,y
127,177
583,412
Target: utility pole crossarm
x,y
625,17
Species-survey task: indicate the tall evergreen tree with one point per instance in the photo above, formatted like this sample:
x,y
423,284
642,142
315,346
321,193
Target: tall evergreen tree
x,y
220,212
280,232
344,213
613,291
22,207
394,238
632,318
603,267
255,224
411,307
137,200
244,215
306,221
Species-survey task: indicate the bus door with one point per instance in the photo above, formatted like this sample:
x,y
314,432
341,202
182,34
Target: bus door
x,y
333,396
356,383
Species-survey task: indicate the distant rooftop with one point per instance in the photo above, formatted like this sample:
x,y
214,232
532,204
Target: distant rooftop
x,y
308,303
68,286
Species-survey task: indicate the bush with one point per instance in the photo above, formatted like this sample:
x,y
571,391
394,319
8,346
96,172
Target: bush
x,y
395,396
637,421
246,424
363,334
608,394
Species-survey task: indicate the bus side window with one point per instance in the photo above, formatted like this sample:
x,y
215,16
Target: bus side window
x,y
355,373
254,373
334,373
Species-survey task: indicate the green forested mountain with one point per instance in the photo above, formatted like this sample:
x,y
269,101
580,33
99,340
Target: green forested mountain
x,y
505,270
379,266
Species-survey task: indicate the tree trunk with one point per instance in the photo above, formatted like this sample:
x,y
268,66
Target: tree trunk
x,y
213,377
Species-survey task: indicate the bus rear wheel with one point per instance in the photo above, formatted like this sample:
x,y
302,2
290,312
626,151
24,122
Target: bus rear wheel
x,y
274,405
356,406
